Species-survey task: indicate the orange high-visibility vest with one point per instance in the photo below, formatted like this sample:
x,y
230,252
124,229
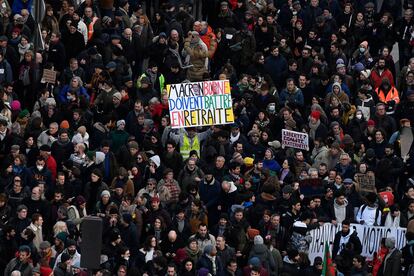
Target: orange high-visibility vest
x,y
391,96
90,27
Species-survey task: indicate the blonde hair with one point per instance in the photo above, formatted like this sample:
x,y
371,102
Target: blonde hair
x,y
60,226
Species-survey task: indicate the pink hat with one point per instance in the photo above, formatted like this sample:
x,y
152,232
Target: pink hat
x,y
15,105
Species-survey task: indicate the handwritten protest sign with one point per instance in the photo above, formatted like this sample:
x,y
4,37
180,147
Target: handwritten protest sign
x,y
200,103
294,139
365,182
370,237
49,76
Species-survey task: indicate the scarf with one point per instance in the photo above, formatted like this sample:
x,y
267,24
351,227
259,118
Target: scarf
x,y
192,254
340,212
313,128
149,255
17,169
23,49
392,222
153,76
177,55
359,24
3,135
234,138
213,264
221,229
180,225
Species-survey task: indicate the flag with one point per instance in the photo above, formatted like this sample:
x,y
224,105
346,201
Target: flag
x,y
327,267
39,13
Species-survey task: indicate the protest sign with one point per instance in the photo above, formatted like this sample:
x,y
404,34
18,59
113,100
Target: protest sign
x,y
49,76
370,237
200,104
365,182
294,139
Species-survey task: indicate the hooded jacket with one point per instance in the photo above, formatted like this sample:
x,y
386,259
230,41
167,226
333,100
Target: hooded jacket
x,y
340,241
341,96
300,239
261,251
335,211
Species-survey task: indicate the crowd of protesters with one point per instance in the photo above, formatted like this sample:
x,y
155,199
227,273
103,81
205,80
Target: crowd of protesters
x,y
219,200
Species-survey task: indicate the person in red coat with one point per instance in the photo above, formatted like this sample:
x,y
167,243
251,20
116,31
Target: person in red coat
x,y
380,72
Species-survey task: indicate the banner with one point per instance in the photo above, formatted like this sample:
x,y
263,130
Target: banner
x,y
200,104
294,139
370,237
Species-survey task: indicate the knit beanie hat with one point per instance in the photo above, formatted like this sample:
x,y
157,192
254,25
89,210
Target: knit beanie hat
x,y
258,239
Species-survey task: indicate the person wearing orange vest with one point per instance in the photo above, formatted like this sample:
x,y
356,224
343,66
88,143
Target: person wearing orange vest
x,y
388,94
90,20
207,36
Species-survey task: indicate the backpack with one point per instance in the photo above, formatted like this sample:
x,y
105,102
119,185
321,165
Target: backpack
x,y
376,214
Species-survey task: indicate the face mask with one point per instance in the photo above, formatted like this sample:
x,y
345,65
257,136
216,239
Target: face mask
x,y
271,109
39,168
69,98
362,49
359,116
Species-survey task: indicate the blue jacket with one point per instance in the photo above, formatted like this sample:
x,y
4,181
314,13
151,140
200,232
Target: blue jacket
x,y
271,164
296,97
64,91
18,5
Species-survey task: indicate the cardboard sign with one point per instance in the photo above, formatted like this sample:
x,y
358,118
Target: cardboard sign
x,y
294,139
49,76
196,104
365,182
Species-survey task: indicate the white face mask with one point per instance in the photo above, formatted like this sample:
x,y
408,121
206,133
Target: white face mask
x,y
359,116
39,167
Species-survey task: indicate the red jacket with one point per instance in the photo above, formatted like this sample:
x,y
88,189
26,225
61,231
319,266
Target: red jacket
x,y
52,166
376,77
